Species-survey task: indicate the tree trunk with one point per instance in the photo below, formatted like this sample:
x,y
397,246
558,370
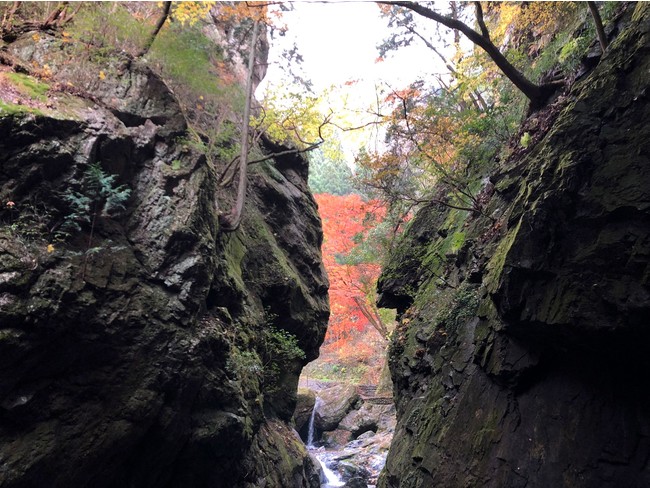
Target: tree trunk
x,y
373,317
54,16
231,221
602,38
161,21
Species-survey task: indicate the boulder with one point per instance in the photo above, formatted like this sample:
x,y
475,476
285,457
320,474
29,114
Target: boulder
x,y
337,401
350,471
356,483
360,421
140,363
336,438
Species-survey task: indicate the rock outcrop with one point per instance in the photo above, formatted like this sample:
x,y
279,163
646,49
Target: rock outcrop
x,y
521,354
150,349
336,402
352,429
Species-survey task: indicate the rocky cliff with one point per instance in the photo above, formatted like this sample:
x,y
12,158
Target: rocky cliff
x,y
521,354
146,347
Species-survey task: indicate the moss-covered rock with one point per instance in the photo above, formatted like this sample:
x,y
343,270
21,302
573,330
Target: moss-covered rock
x,y
140,356
520,360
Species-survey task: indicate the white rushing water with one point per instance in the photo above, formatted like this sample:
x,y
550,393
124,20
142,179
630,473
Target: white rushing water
x,y
310,433
330,476
332,480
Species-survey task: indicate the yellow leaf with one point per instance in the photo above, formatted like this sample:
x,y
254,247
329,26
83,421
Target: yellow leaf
x,y
36,37
102,75
50,248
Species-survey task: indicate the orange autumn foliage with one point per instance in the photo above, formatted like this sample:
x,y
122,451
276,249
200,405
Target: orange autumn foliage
x,y
345,218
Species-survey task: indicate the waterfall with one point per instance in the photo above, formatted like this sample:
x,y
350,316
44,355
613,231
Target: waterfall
x,y
332,480
310,432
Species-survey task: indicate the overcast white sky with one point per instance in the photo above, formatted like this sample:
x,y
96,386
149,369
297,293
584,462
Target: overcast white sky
x,y
338,42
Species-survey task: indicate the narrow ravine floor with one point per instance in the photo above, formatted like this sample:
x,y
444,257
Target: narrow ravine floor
x,y
348,429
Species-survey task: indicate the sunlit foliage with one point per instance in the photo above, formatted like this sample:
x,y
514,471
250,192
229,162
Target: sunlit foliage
x,y
447,130
346,220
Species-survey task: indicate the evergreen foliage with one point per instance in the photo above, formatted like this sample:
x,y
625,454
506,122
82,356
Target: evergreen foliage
x,y
280,348
329,175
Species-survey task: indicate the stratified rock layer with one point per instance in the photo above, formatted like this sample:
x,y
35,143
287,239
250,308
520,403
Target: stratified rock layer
x,y
143,364
527,364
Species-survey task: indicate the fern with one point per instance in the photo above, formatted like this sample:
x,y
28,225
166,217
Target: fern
x,y
80,211
98,197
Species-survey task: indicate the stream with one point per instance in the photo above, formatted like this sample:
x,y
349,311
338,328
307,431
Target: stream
x,y
331,478
359,461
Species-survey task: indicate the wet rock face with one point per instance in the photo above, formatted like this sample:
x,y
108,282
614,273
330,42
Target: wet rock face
x,y
133,358
530,369
305,402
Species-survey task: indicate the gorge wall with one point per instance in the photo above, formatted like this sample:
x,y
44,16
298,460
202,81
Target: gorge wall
x,y
521,353
159,351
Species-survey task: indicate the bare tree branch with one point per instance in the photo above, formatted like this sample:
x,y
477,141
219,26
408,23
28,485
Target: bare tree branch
x,y
7,19
481,22
152,37
537,94
373,317
310,146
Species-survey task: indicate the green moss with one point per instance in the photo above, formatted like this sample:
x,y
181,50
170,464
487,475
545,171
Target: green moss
x,y
273,267
506,184
456,242
498,261
270,170
29,86
10,335
110,27
640,11
235,250
188,57
464,305
484,437
9,109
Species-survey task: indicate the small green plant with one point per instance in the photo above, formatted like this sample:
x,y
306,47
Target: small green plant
x,y
279,348
33,222
283,345
462,308
98,197
7,108
243,363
